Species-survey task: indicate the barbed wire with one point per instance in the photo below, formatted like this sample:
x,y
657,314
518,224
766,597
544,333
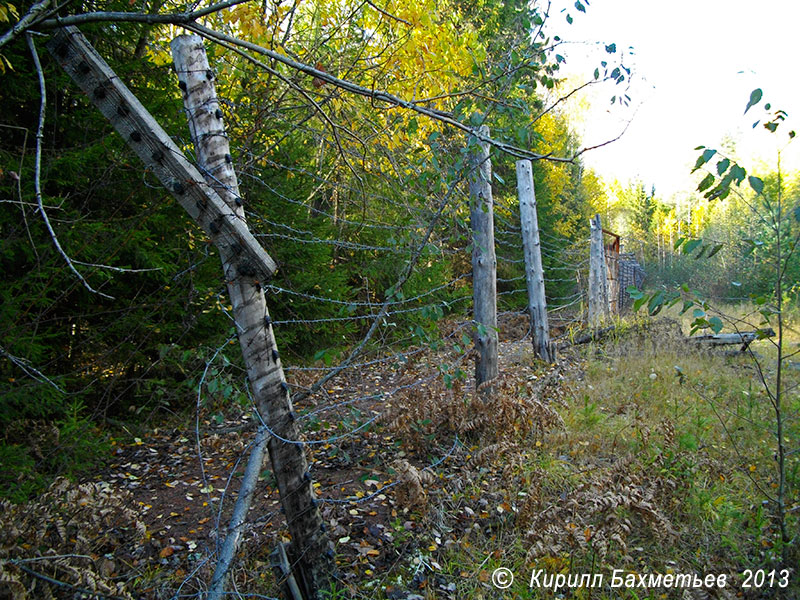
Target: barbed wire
x,y
355,239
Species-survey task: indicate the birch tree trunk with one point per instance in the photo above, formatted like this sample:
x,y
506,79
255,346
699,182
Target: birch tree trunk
x,y
484,261
534,272
310,552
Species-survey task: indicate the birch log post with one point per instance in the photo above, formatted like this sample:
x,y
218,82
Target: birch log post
x,y
484,261
309,550
534,272
598,275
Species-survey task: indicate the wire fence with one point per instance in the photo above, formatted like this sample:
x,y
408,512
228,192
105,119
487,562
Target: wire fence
x,y
361,240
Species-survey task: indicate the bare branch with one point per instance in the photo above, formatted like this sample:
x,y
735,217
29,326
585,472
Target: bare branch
x,y
30,371
37,183
37,17
188,20
117,17
22,204
389,15
612,140
117,269
377,95
237,523
29,19
63,584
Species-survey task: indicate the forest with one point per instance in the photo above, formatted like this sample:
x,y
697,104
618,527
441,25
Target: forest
x,y
323,299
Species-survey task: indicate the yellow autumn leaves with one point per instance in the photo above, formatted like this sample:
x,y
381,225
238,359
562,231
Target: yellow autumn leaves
x,y
420,51
8,14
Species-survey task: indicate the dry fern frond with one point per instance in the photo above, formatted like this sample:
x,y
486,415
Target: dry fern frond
x,y
412,482
490,452
695,594
512,411
74,520
667,429
40,435
11,583
598,511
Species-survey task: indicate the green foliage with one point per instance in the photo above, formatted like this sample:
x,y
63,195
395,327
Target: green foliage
x,y
776,239
755,98
642,210
32,451
731,227
103,355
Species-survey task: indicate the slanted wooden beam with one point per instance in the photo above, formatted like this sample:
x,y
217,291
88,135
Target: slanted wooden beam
x,y
159,153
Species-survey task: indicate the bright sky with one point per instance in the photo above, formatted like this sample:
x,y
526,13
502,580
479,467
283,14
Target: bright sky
x,y
694,64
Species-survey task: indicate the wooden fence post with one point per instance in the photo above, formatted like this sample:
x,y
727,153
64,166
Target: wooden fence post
x,y
309,547
598,275
534,272
484,260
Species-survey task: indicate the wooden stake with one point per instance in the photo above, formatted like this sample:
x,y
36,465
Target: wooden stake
x,y
534,272
484,261
309,549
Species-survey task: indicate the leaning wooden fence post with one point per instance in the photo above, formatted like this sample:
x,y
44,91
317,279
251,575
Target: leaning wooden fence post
x,y
598,275
155,148
484,260
534,272
309,546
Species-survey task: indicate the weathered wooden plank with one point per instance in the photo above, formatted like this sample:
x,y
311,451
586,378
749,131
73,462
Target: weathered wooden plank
x,y
725,339
484,261
159,153
534,273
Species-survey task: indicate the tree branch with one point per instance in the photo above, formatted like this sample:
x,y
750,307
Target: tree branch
x,y
29,19
387,14
33,18
63,584
30,371
188,19
237,522
377,95
37,182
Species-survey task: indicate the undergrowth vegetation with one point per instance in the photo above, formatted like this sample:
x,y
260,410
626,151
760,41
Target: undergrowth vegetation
x,y
654,459
639,452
